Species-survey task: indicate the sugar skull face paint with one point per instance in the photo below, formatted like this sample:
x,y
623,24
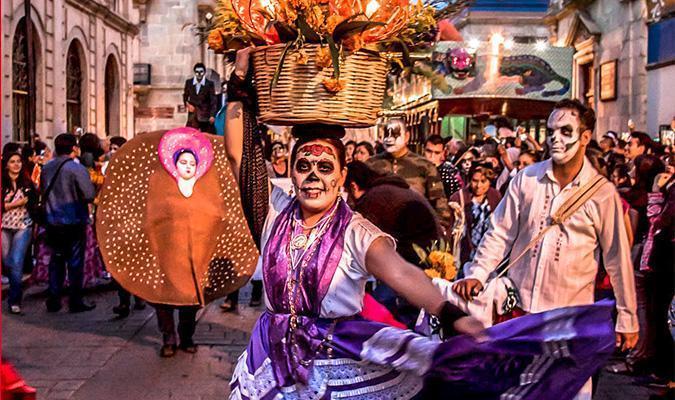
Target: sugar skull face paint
x,y
394,137
563,134
317,176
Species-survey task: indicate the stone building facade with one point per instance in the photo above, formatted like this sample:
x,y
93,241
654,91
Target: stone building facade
x,y
610,35
521,21
168,50
83,67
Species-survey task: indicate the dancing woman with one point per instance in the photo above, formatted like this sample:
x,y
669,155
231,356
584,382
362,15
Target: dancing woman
x,y
311,342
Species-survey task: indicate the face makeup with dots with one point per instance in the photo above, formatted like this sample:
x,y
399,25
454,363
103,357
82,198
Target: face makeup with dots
x,y
186,166
563,134
394,138
317,176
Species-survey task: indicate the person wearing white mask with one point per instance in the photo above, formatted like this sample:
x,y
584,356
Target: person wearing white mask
x,y
558,269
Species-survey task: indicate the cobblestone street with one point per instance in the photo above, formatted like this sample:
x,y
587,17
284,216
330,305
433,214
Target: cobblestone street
x,y
94,356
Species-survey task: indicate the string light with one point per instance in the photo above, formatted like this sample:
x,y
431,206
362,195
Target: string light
x,y
508,44
540,45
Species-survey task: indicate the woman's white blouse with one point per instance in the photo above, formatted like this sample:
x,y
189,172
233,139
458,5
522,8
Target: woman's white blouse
x,y
346,290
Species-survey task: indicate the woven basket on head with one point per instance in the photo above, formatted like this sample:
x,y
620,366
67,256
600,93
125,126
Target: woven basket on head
x,y
299,96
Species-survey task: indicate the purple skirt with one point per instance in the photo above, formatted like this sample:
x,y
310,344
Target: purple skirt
x,y
537,356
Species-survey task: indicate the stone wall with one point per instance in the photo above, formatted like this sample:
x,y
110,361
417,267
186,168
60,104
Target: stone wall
x,y
620,32
102,33
169,45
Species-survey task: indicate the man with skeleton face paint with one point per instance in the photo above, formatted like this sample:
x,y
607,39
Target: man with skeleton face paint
x,y
560,269
418,172
199,97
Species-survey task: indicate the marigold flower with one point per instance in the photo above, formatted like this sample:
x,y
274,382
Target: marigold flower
x,y
301,57
353,43
333,85
323,58
432,273
215,41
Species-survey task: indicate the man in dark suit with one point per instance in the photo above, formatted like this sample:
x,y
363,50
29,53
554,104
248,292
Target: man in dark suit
x,y
200,99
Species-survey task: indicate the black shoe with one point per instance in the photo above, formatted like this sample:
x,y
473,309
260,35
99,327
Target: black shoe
x,y
53,305
188,346
140,305
228,306
122,310
167,350
81,307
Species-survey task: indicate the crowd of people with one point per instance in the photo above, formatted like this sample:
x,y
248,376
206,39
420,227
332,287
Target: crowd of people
x,y
455,191
48,212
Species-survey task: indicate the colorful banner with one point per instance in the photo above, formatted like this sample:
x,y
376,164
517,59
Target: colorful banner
x,y
499,69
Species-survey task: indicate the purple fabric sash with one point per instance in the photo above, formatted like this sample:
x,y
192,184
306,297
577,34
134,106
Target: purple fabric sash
x,y
317,276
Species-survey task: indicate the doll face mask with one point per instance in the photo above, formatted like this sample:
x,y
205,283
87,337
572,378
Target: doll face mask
x,y
186,154
316,176
563,134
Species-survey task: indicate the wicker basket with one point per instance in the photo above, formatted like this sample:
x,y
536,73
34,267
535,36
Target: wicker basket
x,y
299,96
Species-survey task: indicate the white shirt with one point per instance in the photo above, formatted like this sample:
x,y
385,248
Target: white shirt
x,y
560,271
347,289
198,84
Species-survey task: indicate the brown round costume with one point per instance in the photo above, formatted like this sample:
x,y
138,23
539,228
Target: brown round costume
x,y
163,246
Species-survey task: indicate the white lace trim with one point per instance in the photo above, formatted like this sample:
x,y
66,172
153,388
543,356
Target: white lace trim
x,y
388,341
324,375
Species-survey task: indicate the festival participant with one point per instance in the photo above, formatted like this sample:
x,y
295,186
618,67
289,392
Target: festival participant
x,y
310,342
559,270
420,173
178,239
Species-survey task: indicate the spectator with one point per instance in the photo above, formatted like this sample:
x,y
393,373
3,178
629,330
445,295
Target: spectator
x,y
278,165
350,146
19,196
476,201
364,150
418,172
67,217
389,203
453,149
90,146
433,150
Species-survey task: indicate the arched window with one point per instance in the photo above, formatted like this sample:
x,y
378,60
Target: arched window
x,y
74,84
21,126
112,97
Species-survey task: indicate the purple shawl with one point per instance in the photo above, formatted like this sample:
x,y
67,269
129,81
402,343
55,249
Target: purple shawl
x,y
317,277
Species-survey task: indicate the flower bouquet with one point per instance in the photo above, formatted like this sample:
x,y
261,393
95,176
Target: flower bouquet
x,y
319,60
437,260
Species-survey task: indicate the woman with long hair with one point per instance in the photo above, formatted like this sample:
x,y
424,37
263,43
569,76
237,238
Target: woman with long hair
x,y
18,196
477,201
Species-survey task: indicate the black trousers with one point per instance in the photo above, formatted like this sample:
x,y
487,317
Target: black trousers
x,y
67,243
256,293
167,326
203,126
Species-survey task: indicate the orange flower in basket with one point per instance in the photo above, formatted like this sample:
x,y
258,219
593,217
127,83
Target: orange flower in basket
x,y
215,41
301,57
315,18
323,58
353,43
333,85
